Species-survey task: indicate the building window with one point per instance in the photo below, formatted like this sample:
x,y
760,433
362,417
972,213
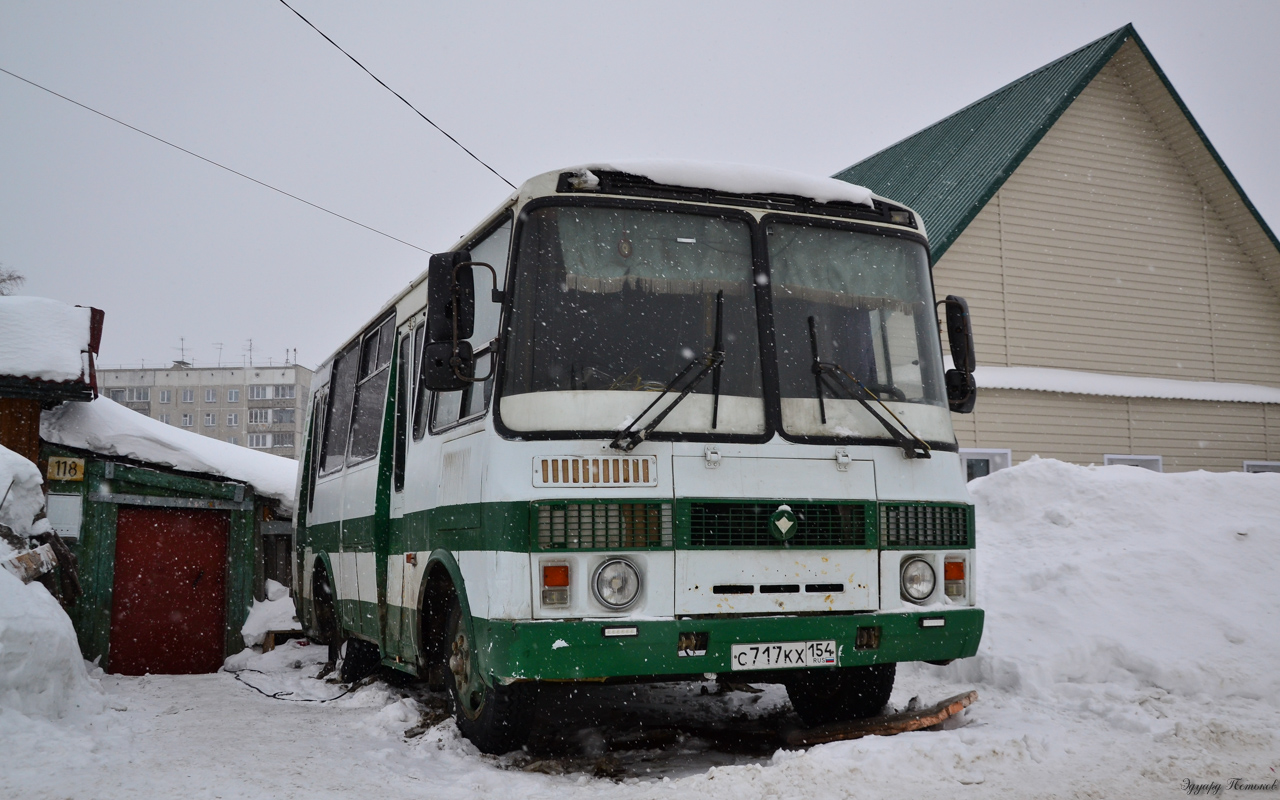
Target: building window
x,y
188,395
233,395
210,420
166,395
259,416
259,392
286,391
233,440
283,416
981,462
1153,463
142,394
188,420
211,395
163,418
282,440
233,420
260,440
1262,466
118,395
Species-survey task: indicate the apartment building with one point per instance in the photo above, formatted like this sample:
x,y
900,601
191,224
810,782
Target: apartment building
x,y
259,407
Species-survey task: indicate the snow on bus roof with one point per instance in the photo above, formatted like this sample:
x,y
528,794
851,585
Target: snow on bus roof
x,y
43,339
737,178
108,428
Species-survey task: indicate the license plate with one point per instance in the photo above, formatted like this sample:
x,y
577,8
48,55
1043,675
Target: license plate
x,y
782,655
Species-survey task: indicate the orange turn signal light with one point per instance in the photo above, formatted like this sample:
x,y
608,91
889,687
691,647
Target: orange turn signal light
x,y
555,575
953,571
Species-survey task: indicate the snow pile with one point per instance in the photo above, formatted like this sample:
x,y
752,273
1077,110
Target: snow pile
x,y
42,339
1043,379
21,498
739,179
1102,584
41,671
108,428
276,613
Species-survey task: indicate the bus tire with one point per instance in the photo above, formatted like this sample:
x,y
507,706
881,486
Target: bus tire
x,y
495,718
840,695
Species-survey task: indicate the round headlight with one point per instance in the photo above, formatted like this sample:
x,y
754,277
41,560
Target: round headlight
x,y
617,583
918,580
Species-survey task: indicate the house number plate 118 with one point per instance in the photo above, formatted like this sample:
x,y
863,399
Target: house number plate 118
x,y
782,655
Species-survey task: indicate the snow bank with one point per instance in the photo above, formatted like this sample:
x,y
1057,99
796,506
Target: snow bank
x,y
21,498
1041,379
276,613
106,427
42,339
1125,579
41,671
740,179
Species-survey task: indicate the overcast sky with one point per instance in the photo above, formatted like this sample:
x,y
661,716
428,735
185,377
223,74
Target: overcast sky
x,y
170,247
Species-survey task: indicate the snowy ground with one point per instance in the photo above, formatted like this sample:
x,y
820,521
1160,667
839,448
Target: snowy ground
x,y
1132,644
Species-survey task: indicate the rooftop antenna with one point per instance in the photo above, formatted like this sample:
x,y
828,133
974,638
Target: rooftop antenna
x,y
250,352
219,346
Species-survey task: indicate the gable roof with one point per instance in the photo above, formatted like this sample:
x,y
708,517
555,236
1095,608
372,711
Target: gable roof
x,y
950,170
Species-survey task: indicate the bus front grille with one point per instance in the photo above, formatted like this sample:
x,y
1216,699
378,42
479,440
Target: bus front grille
x,y
599,526
747,525
911,526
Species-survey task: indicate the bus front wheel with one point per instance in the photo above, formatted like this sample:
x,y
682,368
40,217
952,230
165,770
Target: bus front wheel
x,y
495,718
840,695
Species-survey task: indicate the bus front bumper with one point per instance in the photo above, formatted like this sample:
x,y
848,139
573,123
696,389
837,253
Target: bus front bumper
x,y
607,649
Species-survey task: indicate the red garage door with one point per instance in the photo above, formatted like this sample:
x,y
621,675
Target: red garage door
x,y
170,596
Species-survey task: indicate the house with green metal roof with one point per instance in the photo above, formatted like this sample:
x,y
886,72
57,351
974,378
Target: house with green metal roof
x,y
1125,293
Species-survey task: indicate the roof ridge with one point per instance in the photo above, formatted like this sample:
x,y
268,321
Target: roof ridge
x,y
989,95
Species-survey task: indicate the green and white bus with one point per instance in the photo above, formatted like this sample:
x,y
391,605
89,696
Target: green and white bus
x,y
649,422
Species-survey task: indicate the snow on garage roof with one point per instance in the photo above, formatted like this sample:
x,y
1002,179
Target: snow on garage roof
x,y
108,428
43,339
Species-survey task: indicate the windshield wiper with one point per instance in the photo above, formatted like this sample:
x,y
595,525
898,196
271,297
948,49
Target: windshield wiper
x,y
832,376
712,362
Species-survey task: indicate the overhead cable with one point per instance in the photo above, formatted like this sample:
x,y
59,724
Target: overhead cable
x,y
397,94
211,161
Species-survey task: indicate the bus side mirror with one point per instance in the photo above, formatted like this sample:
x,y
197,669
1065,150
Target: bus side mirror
x,y
962,391
446,367
450,286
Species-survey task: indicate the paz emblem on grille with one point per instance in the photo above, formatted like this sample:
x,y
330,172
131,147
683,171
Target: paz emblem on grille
x,y
782,524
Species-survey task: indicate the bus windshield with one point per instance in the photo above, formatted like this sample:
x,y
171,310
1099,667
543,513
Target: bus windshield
x,y
864,303
610,304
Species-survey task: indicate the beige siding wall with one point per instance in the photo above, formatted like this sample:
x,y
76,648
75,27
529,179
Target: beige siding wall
x,y
1083,429
1113,248
1103,253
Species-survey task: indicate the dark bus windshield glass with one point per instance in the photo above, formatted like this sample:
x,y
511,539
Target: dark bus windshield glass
x,y
610,304
871,301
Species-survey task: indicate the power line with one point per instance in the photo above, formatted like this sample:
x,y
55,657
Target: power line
x,y
211,161
397,94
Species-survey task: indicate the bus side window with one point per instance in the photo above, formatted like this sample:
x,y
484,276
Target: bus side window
x,y
317,426
337,421
371,392
420,404
402,407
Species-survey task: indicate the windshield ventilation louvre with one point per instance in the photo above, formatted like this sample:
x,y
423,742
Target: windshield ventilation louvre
x,y
595,471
